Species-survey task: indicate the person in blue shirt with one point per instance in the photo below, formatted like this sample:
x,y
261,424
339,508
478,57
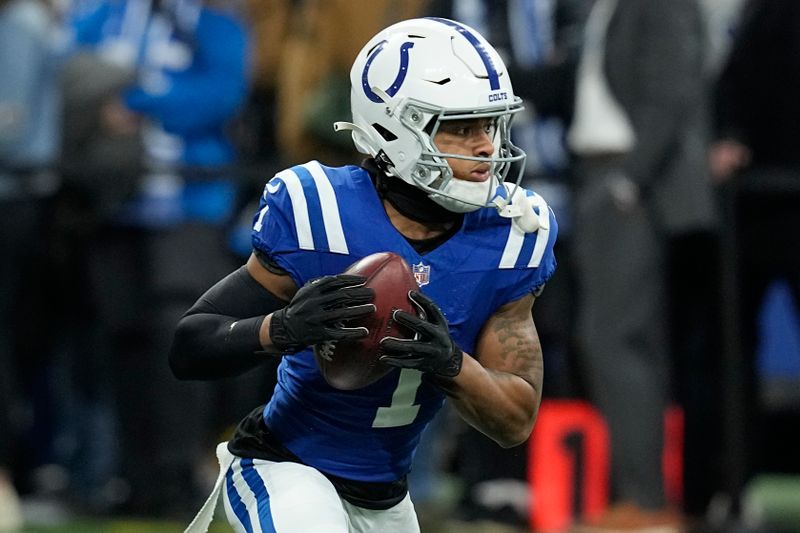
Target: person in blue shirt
x,y
190,59
29,147
180,72
431,103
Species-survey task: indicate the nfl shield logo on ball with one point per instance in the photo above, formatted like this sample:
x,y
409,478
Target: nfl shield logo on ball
x,y
422,273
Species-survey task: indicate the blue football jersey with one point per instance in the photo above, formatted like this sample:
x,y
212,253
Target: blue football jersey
x,y
315,220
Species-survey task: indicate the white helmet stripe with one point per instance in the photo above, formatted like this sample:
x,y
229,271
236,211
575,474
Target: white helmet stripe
x,y
491,70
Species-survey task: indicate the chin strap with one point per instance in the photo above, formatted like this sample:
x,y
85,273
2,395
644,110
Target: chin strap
x,y
522,209
413,202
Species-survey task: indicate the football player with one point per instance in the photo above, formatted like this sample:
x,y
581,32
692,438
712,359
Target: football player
x,y
431,103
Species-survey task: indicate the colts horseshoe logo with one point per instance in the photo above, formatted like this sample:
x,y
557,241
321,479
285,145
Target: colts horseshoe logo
x,y
398,80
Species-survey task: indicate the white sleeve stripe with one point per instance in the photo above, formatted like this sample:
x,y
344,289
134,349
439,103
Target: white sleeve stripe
x,y
542,234
516,237
305,240
330,209
513,247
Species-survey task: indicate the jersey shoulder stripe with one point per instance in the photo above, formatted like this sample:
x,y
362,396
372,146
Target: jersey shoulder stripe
x,y
314,207
331,217
302,221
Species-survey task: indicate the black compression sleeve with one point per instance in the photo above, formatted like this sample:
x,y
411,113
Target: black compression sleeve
x,y
218,336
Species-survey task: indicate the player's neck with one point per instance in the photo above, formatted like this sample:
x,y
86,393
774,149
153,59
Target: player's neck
x,y
412,202
413,229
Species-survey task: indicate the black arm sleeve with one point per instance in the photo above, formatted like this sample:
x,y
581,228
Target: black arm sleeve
x,y
218,337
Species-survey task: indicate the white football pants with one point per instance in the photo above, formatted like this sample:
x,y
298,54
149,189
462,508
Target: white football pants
x,y
268,497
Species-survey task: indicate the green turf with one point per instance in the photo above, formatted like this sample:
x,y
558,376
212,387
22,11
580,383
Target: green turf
x,y
121,526
149,526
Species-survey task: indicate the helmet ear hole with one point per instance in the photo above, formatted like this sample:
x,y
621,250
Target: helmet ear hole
x,y
387,135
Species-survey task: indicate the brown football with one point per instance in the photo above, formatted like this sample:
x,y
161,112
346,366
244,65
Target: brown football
x,y
349,365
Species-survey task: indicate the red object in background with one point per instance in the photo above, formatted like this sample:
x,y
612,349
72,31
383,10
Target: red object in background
x,y
568,464
672,459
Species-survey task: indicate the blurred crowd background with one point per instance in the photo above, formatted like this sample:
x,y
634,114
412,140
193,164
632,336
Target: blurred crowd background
x,y
137,135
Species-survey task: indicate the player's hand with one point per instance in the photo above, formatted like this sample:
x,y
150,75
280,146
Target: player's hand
x,y
319,311
432,349
726,157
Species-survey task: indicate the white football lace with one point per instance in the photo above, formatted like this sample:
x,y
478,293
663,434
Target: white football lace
x,y
325,349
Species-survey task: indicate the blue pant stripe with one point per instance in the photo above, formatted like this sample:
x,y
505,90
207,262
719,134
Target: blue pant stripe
x,y
236,502
256,484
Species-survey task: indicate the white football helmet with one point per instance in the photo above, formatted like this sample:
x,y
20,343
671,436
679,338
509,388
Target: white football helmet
x,y
410,78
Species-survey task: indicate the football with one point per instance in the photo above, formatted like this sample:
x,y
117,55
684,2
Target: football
x,y
349,365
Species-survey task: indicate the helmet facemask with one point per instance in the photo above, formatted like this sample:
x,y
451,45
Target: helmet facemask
x,y
433,173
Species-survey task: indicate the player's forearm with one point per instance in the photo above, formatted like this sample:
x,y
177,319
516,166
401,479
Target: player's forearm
x,y
221,335
499,404
500,395
212,346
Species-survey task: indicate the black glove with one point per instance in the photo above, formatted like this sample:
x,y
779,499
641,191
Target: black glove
x,y
318,311
432,349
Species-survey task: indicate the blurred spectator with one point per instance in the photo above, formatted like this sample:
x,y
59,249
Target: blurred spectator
x,y
696,336
642,192
151,92
755,156
255,131
270,23
722,18
744,136
100,163
29,115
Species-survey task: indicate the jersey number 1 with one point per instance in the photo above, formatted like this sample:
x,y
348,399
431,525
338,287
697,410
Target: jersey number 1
x,y
402,410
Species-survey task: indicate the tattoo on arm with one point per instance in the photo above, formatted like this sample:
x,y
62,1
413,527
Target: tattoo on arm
x,y
520,350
